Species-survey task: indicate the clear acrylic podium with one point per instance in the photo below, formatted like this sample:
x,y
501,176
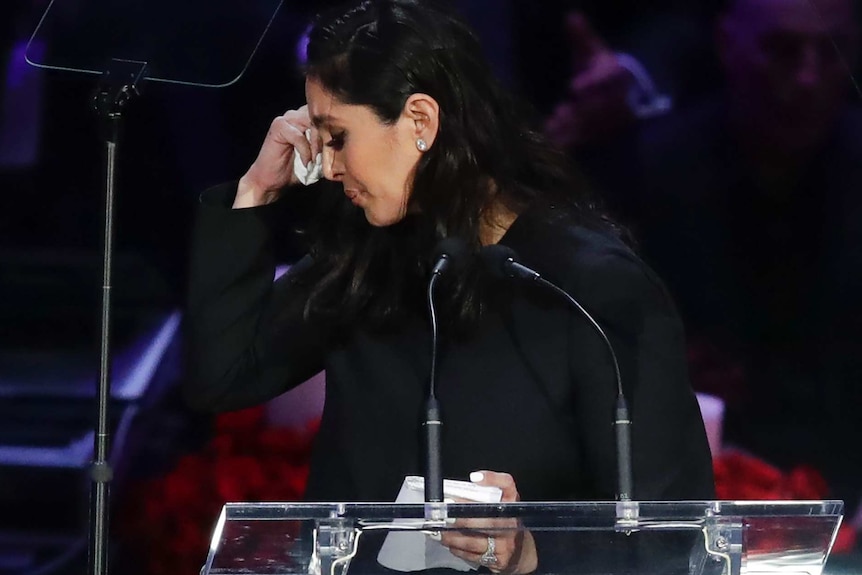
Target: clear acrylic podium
x,y
705,537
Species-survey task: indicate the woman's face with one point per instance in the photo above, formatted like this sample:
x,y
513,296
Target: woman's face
x,y
374,161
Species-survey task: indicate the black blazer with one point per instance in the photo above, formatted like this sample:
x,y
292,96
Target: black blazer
x,y
531,392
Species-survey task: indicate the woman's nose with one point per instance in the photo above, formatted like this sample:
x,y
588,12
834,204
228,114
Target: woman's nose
x,y
333,169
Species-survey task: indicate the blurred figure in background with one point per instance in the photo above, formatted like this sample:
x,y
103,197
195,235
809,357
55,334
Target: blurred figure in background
x,y
749,205
639,71
559,64
609,67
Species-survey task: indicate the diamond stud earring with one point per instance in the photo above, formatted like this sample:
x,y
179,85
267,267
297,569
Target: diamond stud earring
x,y
421,144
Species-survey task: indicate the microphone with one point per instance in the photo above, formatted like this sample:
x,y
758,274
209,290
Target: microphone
x,y
449,254
502,262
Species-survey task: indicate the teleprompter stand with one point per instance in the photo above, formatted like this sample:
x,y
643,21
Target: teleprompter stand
x,y
119,86
194,43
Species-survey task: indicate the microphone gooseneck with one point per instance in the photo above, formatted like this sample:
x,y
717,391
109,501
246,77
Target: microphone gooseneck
x,y
502,261
433,423
449,254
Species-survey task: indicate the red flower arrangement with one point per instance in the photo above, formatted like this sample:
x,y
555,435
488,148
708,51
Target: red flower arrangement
x,y
165,523
740,476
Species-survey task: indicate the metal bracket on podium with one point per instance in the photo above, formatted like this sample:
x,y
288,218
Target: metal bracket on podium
x,y
335,543
722,548
628,516
724,542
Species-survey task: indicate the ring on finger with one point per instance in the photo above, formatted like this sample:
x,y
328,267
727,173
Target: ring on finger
x,y
489,557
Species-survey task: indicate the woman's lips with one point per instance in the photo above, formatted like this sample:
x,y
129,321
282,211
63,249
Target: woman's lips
x,y
353,195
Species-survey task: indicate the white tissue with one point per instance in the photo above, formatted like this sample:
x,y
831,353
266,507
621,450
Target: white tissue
x,y
311,173
409,551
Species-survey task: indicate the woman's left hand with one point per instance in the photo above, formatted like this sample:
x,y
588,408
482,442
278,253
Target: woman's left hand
x,y
501,545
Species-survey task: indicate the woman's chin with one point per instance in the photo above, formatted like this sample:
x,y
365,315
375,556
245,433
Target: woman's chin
x,y
381,220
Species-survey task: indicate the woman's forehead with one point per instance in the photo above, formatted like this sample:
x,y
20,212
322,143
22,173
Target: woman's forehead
x,y
322,105
326,109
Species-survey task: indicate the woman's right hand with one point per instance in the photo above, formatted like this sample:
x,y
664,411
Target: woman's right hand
x,y
514,551
272,170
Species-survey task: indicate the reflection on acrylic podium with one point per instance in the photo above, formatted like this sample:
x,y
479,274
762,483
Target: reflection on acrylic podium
x,y
704,537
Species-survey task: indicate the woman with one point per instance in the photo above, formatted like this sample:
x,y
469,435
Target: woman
x,y
426,146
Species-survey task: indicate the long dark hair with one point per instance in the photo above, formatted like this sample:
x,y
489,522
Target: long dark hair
x,y
377,53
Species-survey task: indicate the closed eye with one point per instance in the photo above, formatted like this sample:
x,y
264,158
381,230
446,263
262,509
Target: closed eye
x,y
337,141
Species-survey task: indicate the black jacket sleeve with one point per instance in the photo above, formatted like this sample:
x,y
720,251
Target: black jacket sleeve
x,y
670,454
247,341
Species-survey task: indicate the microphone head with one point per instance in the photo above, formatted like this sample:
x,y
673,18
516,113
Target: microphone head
x,y
449,253
497,259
